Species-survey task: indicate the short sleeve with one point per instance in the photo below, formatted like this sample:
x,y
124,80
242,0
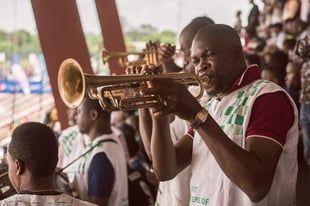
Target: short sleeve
x,y
101,176
272,116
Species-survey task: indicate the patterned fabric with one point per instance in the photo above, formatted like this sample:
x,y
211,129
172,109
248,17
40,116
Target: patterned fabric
x,y
71,145
305,84
67,142
42,200
234,114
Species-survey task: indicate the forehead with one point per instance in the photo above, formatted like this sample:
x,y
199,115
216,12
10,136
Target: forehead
x,y
206,42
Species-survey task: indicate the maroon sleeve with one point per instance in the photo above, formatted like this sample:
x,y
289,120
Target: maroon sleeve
x,y
272,116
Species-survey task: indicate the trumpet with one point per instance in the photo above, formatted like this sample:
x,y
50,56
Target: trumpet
x,y
119,92
149,56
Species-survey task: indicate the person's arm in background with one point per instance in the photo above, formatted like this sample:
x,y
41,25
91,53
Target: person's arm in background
x,y
145,129
165,57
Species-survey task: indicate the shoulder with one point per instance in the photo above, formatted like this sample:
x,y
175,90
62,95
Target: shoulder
x,y
273,115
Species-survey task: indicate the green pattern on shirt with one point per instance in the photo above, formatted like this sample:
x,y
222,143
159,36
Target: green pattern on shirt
x,y
68,141
235,113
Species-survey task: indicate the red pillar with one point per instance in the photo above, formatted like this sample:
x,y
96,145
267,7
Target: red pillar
x,y
61,36
113,38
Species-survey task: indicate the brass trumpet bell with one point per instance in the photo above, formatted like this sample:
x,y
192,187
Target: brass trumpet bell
x,y
119,92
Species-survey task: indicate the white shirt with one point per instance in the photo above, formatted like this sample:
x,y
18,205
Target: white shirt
x,y
43,200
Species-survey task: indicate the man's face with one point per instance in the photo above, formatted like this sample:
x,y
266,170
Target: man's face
x,y
213,60
83,118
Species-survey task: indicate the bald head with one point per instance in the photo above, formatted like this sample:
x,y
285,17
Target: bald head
x,y
220,34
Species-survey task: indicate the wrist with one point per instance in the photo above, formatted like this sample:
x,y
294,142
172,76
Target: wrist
x,y
200,117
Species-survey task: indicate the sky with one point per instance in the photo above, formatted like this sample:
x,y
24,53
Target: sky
x,y
163,14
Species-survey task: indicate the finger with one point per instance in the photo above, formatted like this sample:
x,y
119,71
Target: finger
x,y
167,85
167,110
144,69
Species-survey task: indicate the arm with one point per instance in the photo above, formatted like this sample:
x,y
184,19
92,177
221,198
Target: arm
x,y
168,158
145,129
251,169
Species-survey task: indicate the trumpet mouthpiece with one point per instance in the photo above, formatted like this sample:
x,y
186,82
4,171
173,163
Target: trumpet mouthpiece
x,y
205,79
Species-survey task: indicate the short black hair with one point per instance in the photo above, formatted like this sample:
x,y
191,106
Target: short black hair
x,y
35,145
94,104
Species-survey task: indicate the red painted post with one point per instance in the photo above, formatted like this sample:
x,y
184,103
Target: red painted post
x,y
61,36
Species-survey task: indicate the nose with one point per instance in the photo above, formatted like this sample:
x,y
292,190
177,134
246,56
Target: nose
x,y
202,66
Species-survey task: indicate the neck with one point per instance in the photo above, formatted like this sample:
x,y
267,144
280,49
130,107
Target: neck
x,y
38,184
99,130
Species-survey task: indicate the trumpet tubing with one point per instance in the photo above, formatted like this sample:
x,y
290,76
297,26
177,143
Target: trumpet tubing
x,y
119,92
146,57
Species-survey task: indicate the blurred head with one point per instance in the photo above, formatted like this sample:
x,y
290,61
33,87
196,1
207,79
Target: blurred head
x,y
72,113
90,114
294,26
279,57
289,45
238,13
33,150
275,73
186,38
267,52
54,114
217,53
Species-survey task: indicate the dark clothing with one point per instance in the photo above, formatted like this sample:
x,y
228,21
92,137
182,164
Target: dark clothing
x,y
253,18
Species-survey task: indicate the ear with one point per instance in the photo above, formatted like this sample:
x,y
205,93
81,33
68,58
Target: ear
x,y
20,167
93,114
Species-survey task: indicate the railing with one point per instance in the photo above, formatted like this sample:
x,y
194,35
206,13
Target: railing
x,y
16,107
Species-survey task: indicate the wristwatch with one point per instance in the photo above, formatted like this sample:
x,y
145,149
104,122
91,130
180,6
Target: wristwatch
x,y
200,118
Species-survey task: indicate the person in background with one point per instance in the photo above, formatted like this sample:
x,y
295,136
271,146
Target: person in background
x,y
51,120
32,158
167,51
141,191
102,172
71,144
175,191
292,81
245,137
253,17
275,73
238,23
303,56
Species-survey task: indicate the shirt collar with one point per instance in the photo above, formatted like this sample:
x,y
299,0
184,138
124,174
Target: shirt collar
x,y
250,74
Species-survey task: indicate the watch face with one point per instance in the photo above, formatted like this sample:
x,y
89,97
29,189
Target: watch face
x,y
202,115
200,118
